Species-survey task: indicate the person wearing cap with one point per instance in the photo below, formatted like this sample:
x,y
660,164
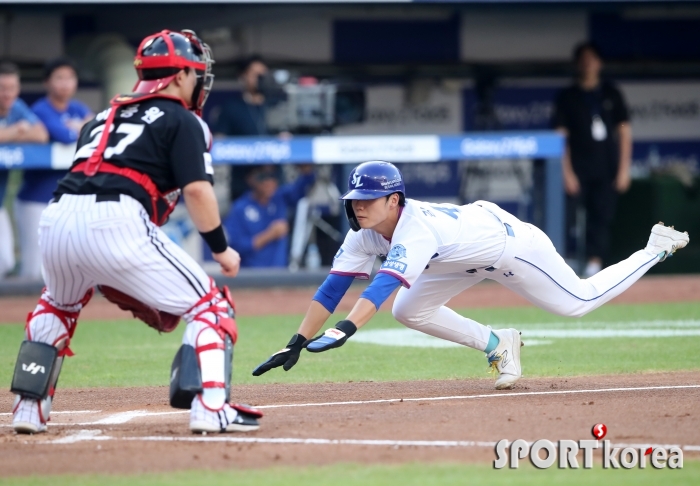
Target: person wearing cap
x,y
257,222
133,161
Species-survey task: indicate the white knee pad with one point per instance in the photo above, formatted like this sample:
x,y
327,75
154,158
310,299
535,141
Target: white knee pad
x,y
211,355
50,324
54,324
211,331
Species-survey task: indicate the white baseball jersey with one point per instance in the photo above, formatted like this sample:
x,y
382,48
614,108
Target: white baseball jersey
x,y
440,250
429,238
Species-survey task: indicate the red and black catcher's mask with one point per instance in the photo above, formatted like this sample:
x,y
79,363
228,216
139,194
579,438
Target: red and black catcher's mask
x,y
161,56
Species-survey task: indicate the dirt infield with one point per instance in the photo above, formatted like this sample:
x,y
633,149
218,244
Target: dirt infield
x,y
133,430
649,289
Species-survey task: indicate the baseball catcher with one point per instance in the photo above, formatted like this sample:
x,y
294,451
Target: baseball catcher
x,y
102,229
436,251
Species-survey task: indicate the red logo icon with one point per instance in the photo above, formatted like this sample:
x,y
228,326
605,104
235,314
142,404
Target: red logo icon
x,y
599,431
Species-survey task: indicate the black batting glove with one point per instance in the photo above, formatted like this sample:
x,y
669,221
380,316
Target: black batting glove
x,y
334,337
286,358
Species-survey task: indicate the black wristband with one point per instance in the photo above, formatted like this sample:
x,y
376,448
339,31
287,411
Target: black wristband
x,y
348,327
216,239
297,342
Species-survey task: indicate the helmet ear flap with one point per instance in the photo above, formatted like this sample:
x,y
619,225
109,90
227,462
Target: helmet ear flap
x,y
352,219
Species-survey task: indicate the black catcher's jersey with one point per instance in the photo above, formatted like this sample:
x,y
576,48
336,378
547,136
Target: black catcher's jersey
x,y
158,137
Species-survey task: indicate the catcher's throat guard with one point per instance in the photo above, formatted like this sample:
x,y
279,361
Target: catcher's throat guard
x,y
34,370
186,375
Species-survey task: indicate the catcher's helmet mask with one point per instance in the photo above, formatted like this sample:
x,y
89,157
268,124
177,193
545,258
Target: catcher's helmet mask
x,y
372,180
161,56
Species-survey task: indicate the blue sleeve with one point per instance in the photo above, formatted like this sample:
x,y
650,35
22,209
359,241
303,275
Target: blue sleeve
x,y
332,290
237,231
292,192
380,289
23,112
58,132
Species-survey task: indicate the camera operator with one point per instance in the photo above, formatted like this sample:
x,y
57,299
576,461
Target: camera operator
x,y
244,115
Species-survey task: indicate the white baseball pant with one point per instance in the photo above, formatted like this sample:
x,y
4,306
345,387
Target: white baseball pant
x,y
85,243
530,267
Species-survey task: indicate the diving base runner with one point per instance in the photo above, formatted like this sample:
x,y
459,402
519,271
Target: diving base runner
x,y
436,251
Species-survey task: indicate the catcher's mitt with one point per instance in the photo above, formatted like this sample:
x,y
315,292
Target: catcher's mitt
x,y
158,320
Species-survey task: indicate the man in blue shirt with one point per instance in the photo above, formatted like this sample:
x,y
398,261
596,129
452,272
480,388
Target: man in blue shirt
x,y
17,125
63,117
257,223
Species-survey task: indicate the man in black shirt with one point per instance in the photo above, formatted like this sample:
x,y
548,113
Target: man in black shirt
x,y
132,163
593,116
244,116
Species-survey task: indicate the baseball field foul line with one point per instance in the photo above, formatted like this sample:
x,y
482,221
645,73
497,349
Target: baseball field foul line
x,y
95,435
490,395
6,414
124,417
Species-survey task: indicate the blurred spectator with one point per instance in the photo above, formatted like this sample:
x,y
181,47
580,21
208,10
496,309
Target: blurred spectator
x,y
63,117
593,116
244,115
17,125
257,223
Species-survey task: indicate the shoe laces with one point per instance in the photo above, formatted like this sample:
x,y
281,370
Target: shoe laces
x,y
493,364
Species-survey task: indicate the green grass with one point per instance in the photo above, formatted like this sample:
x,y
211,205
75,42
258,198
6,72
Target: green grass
x,y
389,475
128,353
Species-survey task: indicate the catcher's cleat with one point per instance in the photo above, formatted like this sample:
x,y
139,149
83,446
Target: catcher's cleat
x,y
665,240
505,359
27,417
230,418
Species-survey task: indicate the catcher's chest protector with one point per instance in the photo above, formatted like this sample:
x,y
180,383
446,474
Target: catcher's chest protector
x,y
96,163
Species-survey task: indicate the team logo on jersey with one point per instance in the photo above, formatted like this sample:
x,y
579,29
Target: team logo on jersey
x,y
394,266
356,180
339,252
397,252
251,214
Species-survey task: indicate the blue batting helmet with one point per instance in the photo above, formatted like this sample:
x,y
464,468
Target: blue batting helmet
x,y
372,180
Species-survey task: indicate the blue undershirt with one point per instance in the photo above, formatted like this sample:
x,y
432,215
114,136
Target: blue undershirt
x,y
380,289
332,290
335,286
